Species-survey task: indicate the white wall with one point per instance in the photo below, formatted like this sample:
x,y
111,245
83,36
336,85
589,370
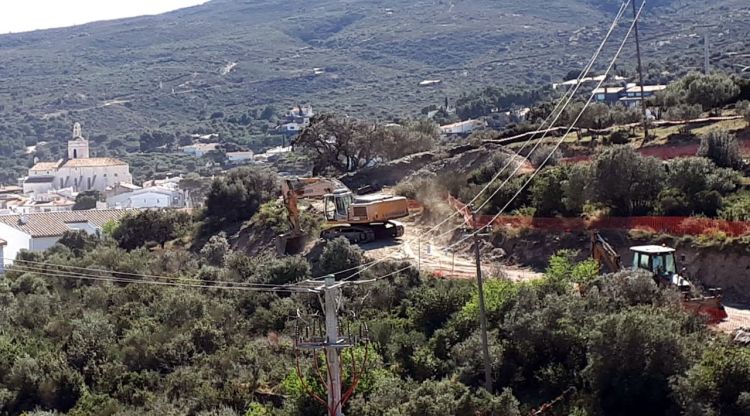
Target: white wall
x,y
101,177
17,241
88,227
141,200
37,188
43,243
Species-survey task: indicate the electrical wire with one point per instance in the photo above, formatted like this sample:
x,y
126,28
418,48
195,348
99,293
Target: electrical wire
x,y
113,279
559,142
140,275
566,98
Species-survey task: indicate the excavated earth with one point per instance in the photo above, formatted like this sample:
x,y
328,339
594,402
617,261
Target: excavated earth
x,y
726,266
458,159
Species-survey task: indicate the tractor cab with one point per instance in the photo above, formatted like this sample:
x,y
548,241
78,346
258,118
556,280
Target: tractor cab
x,y
337,205
660,261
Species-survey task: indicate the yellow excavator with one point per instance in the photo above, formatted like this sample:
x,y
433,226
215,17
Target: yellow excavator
x,y
359,218
661,262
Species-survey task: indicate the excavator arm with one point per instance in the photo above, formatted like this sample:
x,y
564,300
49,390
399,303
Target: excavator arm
x,y
294,188
604,254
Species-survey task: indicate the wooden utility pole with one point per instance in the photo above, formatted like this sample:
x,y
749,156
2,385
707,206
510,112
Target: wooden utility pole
x,y
640,72
482,312
332,347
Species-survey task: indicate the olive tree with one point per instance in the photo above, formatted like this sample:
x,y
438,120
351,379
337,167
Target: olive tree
x,y
625,181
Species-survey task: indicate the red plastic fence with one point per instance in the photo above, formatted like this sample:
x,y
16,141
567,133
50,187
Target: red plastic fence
x,y
662,152
667,225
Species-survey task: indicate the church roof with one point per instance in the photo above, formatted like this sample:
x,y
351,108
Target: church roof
x,y
93,162
47,165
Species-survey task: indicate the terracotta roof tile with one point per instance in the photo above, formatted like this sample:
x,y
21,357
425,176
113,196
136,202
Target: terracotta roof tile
x,y
93,162
47,165
53,224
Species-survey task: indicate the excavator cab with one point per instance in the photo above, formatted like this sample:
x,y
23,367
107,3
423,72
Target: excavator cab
x,y
661,262
337,205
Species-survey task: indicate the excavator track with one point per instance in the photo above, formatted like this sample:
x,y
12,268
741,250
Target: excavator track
x,y
363,234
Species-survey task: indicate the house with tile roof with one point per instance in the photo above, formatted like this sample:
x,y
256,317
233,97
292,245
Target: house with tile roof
x,y
40,231
78,171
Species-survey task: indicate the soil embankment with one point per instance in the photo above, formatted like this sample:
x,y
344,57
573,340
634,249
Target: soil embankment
x,y
726,266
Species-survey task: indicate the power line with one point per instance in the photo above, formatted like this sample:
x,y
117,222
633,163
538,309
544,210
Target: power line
x,y
559,142
114,279
140,275
566,99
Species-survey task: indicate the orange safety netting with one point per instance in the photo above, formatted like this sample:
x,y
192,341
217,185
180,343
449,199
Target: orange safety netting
x,y
666,225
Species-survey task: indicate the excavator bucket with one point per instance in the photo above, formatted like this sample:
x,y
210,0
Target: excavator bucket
x,y
290,244
707,307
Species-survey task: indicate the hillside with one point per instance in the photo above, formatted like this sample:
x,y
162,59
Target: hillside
x,y
129,75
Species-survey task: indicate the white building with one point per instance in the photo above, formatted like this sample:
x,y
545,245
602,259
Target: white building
x,y
152,197
297,119
79,171
239,157
463,127
199,149
38,232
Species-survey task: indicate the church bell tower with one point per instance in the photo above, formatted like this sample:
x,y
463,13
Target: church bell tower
x,y
78,147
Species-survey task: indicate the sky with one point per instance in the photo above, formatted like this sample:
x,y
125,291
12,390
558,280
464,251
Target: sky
x,y
25,15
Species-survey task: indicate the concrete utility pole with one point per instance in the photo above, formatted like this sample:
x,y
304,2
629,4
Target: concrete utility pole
x,y
640,72
482,313
706,54
332,347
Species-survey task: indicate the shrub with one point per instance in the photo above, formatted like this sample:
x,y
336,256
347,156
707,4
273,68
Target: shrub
x,y
214,252
673,202
545,156
151,226
340,255
78,241
722,148
545,192
736,207
620,137
237,196
626,181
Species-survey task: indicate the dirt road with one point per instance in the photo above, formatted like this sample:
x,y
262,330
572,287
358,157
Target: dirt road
x,y
739,317
431,255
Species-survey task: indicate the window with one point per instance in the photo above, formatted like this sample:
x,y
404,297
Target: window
x,y
671,266
644,260
657,264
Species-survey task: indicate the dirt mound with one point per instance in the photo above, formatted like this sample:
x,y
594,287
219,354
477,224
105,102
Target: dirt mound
x,y
459,160
389,174
254,240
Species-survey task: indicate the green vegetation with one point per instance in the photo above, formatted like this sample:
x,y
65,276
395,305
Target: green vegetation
x,y
624,347
237,196
622,181
152,226
87,200
341,145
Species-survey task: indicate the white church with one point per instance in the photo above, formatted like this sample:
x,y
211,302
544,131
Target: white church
x,y
78,171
